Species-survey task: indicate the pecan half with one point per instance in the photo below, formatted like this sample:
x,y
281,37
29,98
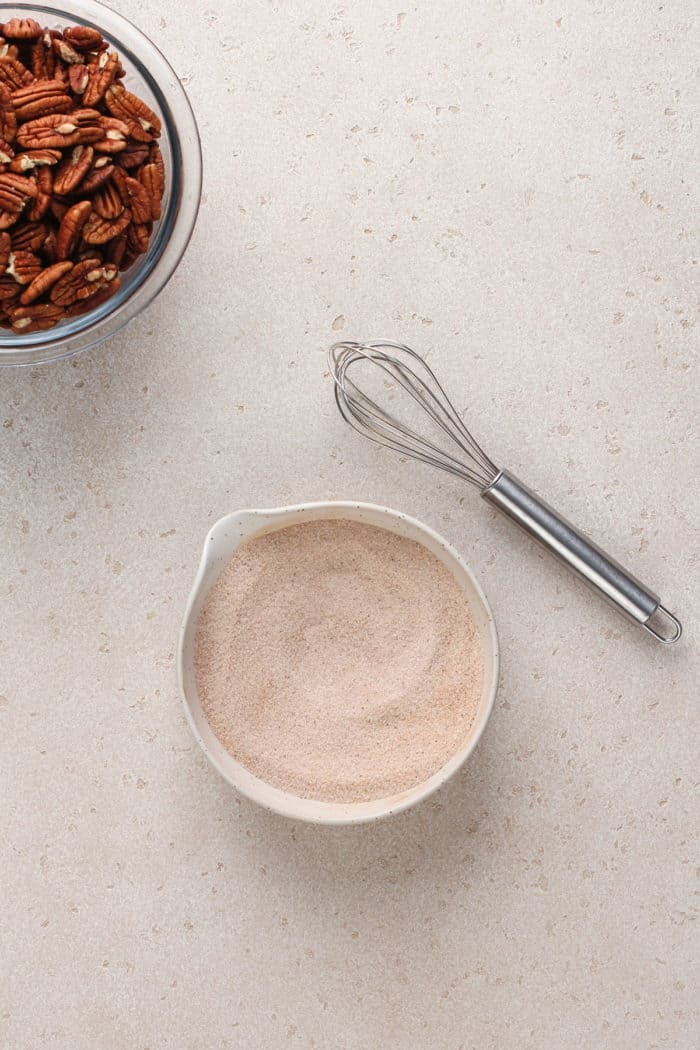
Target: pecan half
x,y
5,249
21,183
138,133
21,29
34,158
6,152
73,169
23,266
103,292
107,201
10,291
155,157
81,282
15,190
78,77
8,117
149,178
115,136
122,104
84,38
44,282
35,318
29,236
138,200
44,185
66,52
71,229
13,73
115,249
119,180
41,98
39,64
134,155
138,235
99,231
101,76
100,173
60,131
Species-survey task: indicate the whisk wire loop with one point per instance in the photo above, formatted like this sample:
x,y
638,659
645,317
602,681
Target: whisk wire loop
x,y
380,425
386,424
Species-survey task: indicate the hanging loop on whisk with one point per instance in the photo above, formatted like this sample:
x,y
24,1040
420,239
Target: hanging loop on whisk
x,y
402,369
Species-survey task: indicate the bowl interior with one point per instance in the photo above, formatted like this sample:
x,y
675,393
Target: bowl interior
x,y
149,76
220,545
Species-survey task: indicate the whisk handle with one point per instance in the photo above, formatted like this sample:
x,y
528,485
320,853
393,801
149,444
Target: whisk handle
x,y
581,555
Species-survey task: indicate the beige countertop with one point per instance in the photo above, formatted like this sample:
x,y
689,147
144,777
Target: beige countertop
x,y
508,186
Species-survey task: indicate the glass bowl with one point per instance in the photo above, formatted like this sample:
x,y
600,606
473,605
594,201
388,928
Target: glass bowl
x,y
150,76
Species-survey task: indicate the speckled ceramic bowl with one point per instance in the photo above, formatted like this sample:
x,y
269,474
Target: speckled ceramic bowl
x,y
219,547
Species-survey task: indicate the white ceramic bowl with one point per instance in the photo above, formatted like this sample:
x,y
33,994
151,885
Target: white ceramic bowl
x,y
220,545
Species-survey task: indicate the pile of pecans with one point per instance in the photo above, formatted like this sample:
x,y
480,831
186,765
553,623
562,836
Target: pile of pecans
x,y
81,175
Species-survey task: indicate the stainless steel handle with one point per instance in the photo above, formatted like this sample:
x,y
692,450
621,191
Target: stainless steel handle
x,y
581,555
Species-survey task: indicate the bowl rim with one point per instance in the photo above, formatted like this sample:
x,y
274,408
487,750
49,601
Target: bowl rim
x,y
175,228
272,798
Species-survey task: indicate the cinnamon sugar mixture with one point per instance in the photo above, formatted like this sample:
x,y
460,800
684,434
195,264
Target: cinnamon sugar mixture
x,y
338,661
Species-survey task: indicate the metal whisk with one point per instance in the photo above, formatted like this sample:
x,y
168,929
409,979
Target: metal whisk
x,y
397,366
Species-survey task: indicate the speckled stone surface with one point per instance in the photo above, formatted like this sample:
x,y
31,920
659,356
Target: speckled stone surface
x,y
508,186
